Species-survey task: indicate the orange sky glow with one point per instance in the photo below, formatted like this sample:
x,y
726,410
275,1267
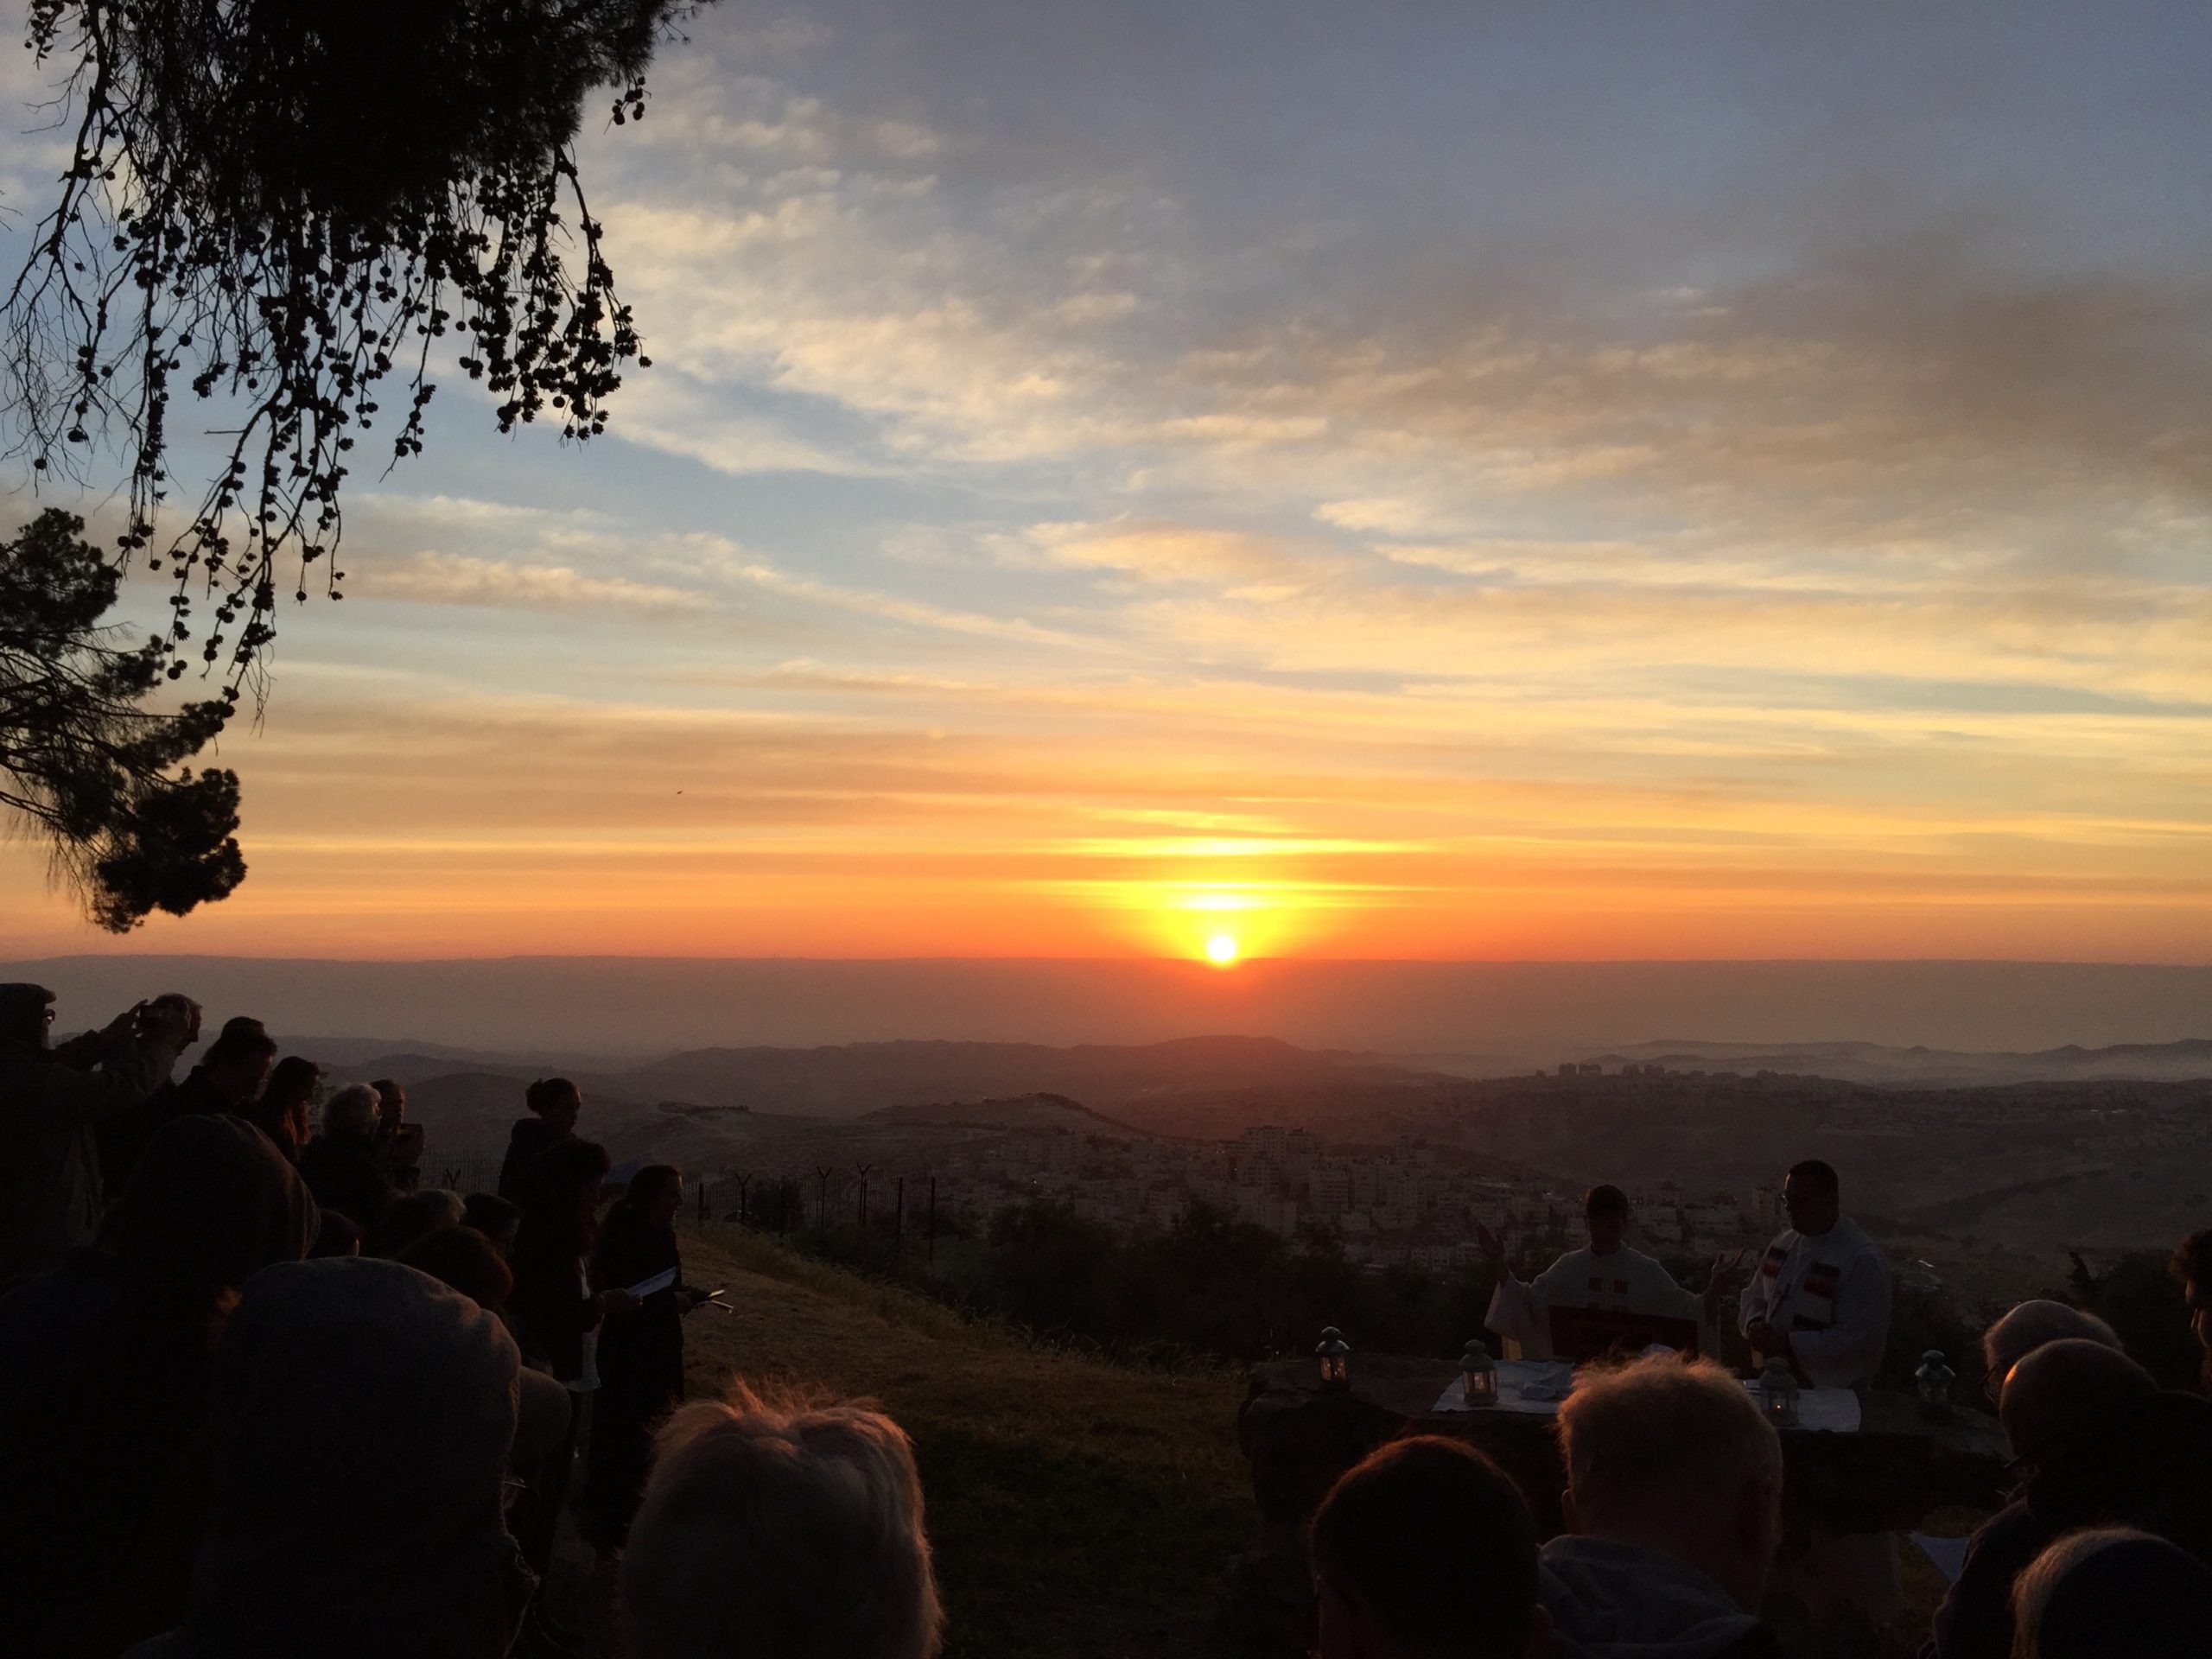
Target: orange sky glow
x,y
1668,490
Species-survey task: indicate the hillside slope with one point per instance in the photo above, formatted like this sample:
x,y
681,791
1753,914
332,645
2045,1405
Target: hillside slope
x,y
1078,1508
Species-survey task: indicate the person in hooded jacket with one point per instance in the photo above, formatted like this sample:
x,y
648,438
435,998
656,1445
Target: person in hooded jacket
x,y
1674,1513
105,1369
640,1348
361,1418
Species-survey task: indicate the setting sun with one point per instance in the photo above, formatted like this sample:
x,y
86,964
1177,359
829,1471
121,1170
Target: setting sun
x,y
1221,949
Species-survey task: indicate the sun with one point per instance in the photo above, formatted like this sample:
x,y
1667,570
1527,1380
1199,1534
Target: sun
x,y
1221,949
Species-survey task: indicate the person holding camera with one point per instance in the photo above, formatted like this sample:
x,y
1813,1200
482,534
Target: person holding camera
x,y
51,1100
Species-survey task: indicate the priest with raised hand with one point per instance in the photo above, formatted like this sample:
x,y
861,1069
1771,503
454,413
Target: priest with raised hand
x,y
1608,1276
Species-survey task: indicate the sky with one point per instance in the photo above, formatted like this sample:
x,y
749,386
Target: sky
x,y
1486,483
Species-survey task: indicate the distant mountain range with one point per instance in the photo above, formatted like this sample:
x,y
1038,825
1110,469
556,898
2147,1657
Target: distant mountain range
x,y
1199,1084
1875,1062
470,1098
1022,1112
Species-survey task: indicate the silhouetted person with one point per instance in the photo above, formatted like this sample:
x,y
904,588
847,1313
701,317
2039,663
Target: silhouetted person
x,y
557,1313
493,1216
464,1259
227,1079
555,1103
640,1348
282,1111
1674,1513
1425,1550
411,1215
2192,1267
2029,1325
105,1367
2063,1409
1607,1274
338,1236
360,1422
399,1144
53,1100
775,1532
339,1164
2114,1594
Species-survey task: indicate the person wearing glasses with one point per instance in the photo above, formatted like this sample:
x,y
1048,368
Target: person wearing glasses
x,y
51,1099
1820,1302
2029,1325
2069,1408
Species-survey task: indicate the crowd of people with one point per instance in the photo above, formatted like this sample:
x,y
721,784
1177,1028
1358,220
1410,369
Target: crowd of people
x,y
262,1394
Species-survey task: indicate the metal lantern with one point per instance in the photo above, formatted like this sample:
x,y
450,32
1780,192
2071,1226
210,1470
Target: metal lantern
x,y
1335,1356
1778,1394
1933,1382
1478,1377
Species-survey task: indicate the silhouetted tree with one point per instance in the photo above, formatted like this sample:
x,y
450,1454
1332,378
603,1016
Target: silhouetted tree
x,y
81,754
277,205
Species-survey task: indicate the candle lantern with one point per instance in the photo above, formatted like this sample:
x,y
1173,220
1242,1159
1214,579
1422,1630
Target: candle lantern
x,y
1334,1354
1933,1382
1778,1394
1478,1377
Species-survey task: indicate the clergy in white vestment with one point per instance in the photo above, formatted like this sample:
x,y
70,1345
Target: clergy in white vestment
x,y
1608,1275
1821,1298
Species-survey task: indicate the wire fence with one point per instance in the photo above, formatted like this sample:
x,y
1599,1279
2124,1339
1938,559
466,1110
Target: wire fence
x,y
472,1172
902,1208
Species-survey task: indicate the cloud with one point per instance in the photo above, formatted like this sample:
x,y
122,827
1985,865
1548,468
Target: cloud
x,y
432,578
1167,553
1667,459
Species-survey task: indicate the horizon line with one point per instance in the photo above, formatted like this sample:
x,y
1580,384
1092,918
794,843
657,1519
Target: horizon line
x,y
1213,970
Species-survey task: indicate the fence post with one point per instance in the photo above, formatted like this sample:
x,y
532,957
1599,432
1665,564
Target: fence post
x,y
932,1246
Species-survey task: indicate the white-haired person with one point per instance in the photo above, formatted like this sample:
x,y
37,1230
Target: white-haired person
x,y
341,1165
1673,1512
2029,1325
780,1531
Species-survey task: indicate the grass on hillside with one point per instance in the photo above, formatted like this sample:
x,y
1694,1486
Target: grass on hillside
x,y
1077,1508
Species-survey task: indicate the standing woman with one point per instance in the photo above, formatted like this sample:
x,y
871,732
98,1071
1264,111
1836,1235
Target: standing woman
x,y
640,1347
557,1313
